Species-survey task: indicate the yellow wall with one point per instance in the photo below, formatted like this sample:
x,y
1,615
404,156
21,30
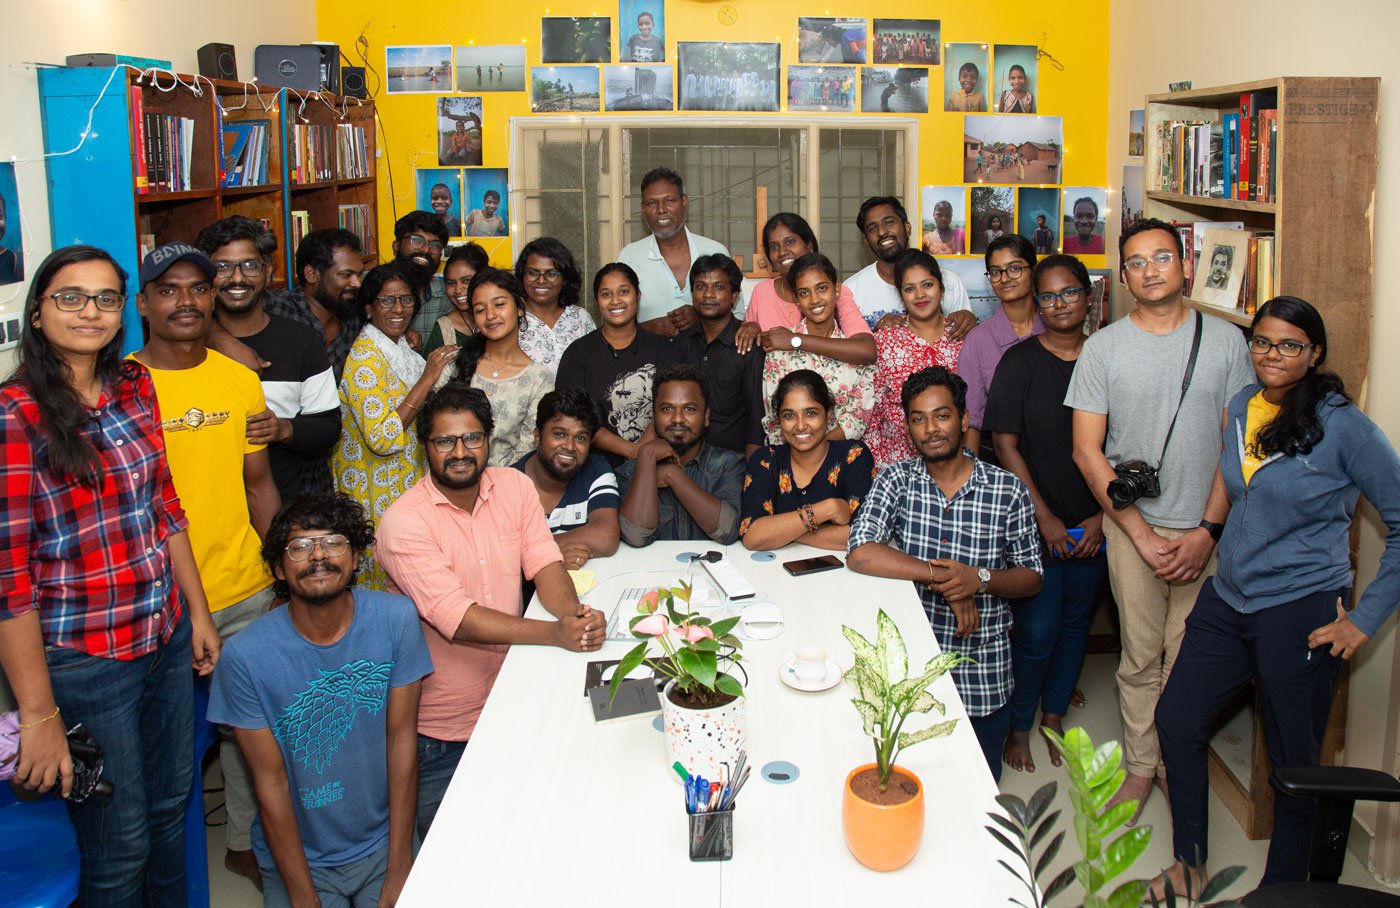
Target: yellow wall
x,y
1076,35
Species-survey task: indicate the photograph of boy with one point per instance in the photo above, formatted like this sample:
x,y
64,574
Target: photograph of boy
x,y
643,31
440,191
459,132
1083,227
964,85
1016,78
486,189
1037,214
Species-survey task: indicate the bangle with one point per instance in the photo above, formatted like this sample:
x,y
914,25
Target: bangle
x,y
930,572
412,407
809,518
36,724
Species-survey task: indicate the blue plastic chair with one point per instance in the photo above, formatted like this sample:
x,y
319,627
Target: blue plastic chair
x,y
39,859
206,735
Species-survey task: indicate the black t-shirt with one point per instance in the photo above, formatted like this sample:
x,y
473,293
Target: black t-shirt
x,y
734,384
618,380
1027,397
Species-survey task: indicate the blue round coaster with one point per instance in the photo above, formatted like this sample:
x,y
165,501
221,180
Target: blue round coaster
x,y
779,772
658,724
684,557
764,556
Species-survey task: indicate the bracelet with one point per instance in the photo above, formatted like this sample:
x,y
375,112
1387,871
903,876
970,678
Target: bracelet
x,y
412,407
809,517
36,724
930,572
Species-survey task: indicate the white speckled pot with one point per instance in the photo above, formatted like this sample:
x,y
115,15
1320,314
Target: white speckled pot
x,y
702,740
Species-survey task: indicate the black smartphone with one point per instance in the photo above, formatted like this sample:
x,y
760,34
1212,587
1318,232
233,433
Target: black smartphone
x,y
805,566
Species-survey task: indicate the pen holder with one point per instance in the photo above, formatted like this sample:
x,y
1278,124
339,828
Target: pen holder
x,y
712,835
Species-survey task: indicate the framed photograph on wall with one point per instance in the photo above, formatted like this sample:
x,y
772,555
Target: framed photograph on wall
x,y
637,87
966,78
943,220
1134,198
485,198
459,132
720,75
439,190
1137,134
641,28
1016,78
906,41
496,67
893,89
822,40
1084,220
1038,217
561,89
823,88
418,69
11,241
993,215
568,39
1012,149
973,273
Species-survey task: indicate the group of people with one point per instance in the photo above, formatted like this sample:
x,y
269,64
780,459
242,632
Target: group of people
x,y
336,500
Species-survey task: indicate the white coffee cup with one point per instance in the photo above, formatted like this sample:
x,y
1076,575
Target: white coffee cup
x,y
809,664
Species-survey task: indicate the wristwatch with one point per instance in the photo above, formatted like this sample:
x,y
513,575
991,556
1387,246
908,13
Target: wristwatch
x,y
796,342
1214,529
985,576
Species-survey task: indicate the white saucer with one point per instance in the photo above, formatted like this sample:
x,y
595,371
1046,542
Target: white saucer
x,y
788,674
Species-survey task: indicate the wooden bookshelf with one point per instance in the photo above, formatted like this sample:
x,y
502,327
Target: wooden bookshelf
x,y
1325,185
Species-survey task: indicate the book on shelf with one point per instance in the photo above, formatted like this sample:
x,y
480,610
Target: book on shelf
x,y
1256,249
1232,157
301,226
162,148
245,152
357,219
352,152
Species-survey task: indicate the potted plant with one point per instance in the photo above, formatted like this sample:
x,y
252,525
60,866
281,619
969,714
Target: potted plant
x,y
702,705
882,806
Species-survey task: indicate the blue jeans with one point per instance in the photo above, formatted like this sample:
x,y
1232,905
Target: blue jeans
x,y
1048,635
437,762
355,885
991,732
142,714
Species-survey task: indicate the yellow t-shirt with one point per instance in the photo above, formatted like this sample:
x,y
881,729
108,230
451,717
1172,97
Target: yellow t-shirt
x,y
1259,415
204,413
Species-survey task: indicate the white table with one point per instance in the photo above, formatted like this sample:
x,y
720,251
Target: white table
x,y
548,808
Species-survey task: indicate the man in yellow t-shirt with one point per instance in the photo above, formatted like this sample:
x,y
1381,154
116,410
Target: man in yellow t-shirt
x,y
224,481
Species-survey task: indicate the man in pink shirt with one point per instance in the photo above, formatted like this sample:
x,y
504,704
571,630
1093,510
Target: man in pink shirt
x,y
457,544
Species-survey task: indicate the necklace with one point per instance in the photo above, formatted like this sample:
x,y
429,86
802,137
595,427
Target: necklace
x,y
495,369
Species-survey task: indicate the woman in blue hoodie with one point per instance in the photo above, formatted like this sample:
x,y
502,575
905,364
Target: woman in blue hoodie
x,y
1296,455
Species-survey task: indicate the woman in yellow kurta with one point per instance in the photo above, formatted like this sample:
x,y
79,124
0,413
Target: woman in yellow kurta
x,y
384,385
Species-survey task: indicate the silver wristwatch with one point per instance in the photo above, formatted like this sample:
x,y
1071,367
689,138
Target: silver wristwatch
x,y
796,342
985,576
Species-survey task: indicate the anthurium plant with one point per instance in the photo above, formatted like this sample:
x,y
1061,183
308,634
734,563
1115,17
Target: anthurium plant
x,y
685,646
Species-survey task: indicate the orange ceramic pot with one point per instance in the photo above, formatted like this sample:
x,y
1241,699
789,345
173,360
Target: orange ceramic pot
x,y
882,838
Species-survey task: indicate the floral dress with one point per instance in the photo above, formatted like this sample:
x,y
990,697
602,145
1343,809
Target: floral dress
x,y
544,344
899,353
514,401
852,387
847,472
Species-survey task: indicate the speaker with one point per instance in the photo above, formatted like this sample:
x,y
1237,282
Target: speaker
x,y
288,66
330,66
217,61
352,82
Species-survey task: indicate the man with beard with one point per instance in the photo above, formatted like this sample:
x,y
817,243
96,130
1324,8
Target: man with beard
x,y
329,263
457,544
679,487
420,237
964,533
206,402
663,260
576,487
884,225
302,421
347,837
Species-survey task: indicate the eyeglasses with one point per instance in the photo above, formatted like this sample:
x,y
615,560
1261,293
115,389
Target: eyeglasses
x,y
1069,296
389,302
1137,265
1260,346
333,544
446,444
1010,272
535,274
252,268
72,301
418,242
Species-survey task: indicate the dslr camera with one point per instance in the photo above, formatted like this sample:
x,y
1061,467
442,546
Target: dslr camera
x,y
1135,479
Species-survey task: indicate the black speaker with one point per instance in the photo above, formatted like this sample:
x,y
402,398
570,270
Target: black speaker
x,y
217,61
330,66
288,66
352,82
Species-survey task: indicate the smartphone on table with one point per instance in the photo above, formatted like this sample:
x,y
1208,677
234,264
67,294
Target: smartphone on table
x,y
804,566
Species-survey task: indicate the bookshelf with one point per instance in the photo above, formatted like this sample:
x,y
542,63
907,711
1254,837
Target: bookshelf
x,y
97,194
1321,217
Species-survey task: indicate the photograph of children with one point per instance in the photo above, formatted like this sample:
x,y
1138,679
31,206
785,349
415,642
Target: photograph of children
x,y
1083,225
565,39
830,88
1038,217
11,244
830,40
965,78
642,25
418,69
1016,78
459,132
893,89
993,210
557,89
637,88
1011,149
719,75
1134,198
906,41
943,220
973,272
440,191
498,67
1136,133
485,192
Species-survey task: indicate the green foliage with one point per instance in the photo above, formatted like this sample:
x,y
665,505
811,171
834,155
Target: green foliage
x,y
886,697
691,663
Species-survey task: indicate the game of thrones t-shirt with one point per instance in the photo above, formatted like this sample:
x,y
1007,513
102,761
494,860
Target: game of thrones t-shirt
x,y
619,381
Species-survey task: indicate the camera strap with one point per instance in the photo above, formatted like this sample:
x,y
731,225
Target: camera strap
x,y
1185,384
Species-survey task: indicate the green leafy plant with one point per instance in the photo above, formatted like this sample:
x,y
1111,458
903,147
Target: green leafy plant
x,y
886,696
691,647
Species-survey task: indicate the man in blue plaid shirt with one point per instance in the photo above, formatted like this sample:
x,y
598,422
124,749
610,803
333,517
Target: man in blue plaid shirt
x,y
964,532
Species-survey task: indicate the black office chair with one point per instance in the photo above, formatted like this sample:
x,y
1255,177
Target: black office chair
x,y
1337,789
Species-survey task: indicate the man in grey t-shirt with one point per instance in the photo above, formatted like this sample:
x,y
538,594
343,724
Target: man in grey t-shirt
x,y
1124,393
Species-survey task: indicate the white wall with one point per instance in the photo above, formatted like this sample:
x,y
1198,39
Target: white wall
x,y
37,32
1214,43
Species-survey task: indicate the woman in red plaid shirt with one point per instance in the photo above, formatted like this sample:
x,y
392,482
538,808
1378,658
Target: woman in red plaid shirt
x,y
92,550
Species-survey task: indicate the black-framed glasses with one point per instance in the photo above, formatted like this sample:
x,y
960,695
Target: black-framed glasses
x,y
389,302
418,242
1069,296
446,444
333,544
251,267
1160,259
535,274
1260,346
73,301
1011,272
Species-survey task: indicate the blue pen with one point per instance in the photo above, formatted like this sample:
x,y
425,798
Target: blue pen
x,y
702,791
690,794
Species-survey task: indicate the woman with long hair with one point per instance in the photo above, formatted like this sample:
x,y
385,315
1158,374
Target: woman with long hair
x,y
554,317
1297,454
456,326
100,598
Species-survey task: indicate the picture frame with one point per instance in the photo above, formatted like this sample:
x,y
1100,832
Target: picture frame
x,y
826,89
729,76
493,67
1010,148
637,86
894,89
1224,254
575,39
906,41
418,69
459,131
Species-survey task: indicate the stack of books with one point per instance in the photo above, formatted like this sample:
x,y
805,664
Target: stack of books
x,y
352,152
312,153
1235,157
356,219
